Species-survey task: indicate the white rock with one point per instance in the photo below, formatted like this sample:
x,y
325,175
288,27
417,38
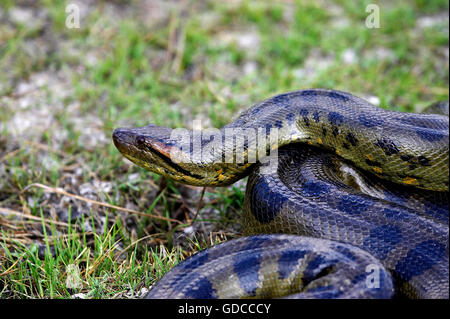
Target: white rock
x,y
349,56
375,100
188,230
430,21
250,67
20,15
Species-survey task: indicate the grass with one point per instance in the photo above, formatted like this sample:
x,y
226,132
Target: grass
x,y
45,274
63,91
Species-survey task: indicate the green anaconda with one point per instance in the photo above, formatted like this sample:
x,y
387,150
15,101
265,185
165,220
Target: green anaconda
x,y
344,199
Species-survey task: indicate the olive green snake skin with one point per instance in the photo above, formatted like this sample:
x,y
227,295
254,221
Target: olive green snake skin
x,y
354,204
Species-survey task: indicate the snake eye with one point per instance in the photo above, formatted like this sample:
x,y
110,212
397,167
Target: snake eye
x,y
140,140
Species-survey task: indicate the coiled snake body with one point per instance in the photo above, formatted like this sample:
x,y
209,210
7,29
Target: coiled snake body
x,y
354,204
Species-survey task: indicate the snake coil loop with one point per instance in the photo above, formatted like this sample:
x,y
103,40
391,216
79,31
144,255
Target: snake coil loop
x,y
356,207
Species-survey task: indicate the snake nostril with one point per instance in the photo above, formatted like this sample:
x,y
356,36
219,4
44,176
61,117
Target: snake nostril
x,y
117,134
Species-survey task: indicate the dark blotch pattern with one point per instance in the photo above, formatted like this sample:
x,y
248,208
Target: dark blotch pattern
x,y
405,157
247,271
351,138
200,259
290,118
309,95
430,135
438,211
369,121
415,120
351,204
304,112
415,161
394,214
372,163
282,99
288,261
335,118
421,258
316,116
304,115
205,290
278,124
382,240
264,193
423,161
346,252
259,242
388,146
315,189
335,131
338,96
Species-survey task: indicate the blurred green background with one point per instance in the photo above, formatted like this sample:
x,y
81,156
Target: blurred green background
x,y
130,63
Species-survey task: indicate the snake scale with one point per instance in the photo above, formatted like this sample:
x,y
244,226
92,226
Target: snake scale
x,y
354,204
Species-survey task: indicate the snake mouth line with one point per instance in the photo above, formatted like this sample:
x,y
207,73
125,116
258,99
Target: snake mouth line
x,y
125,141
172,164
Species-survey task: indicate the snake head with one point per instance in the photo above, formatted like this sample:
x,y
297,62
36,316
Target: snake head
x,y
154,148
